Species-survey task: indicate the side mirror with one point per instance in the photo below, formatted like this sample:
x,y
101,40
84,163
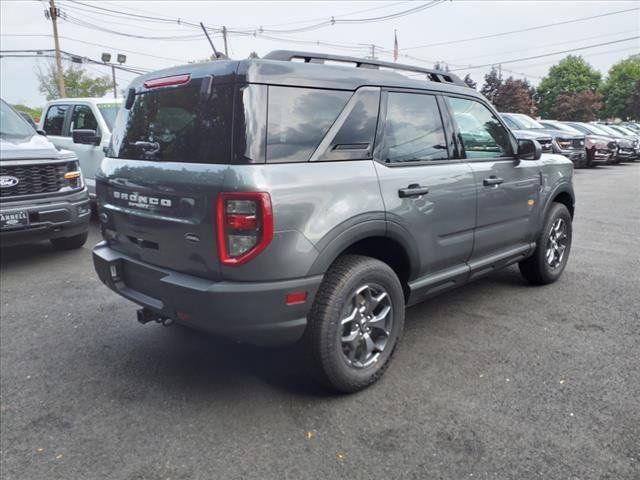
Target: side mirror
x,y
529,149
39,131
86,137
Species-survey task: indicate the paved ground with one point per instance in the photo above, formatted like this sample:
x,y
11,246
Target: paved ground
x,y
496,380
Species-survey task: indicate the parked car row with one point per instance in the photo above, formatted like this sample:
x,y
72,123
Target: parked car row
x,y
585,144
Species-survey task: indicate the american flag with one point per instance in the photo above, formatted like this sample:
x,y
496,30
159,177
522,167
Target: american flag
x,y
395,46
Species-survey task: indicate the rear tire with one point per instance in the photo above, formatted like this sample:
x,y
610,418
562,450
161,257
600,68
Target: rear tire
x,y
70,243
553,247
355,323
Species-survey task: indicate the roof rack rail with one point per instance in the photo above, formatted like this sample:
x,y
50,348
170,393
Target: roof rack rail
x,y
309,57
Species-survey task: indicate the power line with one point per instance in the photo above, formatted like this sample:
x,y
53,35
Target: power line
x,y
327,22
94,44
516,60
538,47
493,35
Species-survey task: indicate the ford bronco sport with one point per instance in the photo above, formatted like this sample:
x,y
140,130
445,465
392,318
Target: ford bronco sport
x,y
290,198
42,194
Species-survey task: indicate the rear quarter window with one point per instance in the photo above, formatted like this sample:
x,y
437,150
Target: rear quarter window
x,y
298,119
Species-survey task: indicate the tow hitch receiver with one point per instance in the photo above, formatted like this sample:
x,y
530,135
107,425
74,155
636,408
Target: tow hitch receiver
x,y
145,316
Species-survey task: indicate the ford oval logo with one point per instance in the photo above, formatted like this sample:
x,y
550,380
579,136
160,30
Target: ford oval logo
x,y
7,181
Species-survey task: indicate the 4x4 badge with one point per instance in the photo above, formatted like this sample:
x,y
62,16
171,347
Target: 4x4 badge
x,y
7,181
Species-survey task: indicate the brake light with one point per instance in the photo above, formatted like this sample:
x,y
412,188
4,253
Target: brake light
x,y
167,81
244,221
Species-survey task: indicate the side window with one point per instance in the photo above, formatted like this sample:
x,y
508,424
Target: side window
x,y
413,130
82,118
54,121
482,135
298,119
351,137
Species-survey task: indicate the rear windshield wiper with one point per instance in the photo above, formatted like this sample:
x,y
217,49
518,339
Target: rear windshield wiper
x,y
148,148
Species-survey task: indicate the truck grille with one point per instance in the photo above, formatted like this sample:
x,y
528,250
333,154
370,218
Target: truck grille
x,y
33,179
545,143
570,144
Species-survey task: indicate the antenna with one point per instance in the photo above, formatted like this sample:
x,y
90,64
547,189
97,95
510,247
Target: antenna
x,y
215,52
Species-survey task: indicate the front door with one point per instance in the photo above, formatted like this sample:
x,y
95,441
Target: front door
x,y
508,189
427,193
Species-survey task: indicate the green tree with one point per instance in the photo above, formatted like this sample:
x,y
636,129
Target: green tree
x,y
618,89
571,76
634,101
34,112
77,82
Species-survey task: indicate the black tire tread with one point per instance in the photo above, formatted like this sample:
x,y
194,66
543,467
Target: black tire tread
x,y
323,307
531,268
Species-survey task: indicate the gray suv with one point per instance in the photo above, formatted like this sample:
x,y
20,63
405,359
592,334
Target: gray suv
x,y
288,199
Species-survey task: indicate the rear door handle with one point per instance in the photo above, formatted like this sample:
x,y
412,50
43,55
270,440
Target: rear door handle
x,y
413,190
492,181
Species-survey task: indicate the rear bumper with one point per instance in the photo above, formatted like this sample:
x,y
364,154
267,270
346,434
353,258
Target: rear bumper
x,y
48,218
245,311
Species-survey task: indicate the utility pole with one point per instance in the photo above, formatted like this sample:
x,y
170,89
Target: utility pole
x,y
224,35
113,74
53,12
373,52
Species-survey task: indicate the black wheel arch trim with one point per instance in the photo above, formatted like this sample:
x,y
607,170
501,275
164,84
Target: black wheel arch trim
x,y
349,233
563,187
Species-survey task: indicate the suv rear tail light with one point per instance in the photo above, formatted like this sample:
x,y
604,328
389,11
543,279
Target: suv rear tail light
x,y
244,221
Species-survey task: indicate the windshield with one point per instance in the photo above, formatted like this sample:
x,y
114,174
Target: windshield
x,y
523,121
608,130
109,112
12,124
623,130
594,129
560,126
566,128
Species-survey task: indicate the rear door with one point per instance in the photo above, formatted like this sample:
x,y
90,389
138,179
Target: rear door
x,y
508,189
428,193
157,189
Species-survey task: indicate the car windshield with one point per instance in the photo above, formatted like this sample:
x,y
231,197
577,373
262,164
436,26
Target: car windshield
x,y
562,126
623,130
109,112
608,130
524,121
12,124
595,129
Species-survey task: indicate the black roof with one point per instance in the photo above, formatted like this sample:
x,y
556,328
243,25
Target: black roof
x,y
277,69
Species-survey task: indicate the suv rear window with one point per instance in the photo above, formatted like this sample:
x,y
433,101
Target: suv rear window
x,y
176,124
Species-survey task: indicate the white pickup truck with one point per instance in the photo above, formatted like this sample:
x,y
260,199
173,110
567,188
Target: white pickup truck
x,y
61,117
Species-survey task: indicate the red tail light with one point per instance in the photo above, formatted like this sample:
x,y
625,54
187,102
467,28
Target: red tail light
x,y
167,81
245,225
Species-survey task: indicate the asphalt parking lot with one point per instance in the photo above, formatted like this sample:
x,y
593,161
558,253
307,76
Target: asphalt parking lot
x,y
496,380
